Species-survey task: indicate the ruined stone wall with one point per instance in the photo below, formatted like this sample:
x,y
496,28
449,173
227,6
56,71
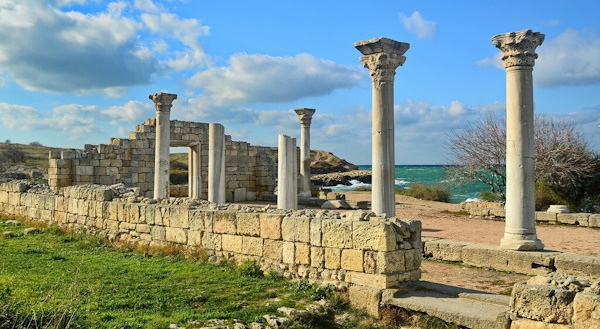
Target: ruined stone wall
x,y
350,249
250,171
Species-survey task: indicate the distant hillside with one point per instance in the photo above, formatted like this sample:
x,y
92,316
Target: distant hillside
x,y
323,162
14,154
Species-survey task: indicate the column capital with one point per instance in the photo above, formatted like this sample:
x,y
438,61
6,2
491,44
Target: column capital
x,y
163,101
382,56
518,48
305,115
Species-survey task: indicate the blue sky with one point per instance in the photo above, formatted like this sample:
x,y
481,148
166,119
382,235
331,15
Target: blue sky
x,y
75,72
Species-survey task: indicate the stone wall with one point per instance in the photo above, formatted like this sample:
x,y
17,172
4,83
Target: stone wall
x,y
250,171
353,249
495,210
556,301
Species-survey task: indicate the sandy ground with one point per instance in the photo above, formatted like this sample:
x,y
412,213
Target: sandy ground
x,y
441,220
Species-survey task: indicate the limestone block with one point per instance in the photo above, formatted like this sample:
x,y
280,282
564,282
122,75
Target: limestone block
x,y
317,257
158,233
302,253
232,243
352,260
389,262
316,232
176,235
412,259
529,324
485,255
273,249
577,264
270,226
594,220
370,262
365,298
542,216
252,246
248,224
542,303
296,229
336,204
288,252
375,235
333,258
149,214
224,222
586,311
134,213
337,233
581,219
142,228
161,216
212,241
239,194
196,219
124,226
380,281
448,250
209,221
179,217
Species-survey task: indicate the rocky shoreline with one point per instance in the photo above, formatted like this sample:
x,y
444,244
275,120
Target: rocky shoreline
x,y
343,178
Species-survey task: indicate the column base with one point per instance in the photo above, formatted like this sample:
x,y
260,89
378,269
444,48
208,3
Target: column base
x,y
305,194
521,242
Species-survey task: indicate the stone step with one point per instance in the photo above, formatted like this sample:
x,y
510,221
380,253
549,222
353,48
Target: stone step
x,y
464,307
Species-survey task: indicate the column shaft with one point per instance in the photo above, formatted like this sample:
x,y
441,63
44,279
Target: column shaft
x,y
216,163
163,103
305,117
287,177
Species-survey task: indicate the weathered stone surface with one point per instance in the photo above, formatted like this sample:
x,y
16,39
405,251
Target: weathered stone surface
x,y
352,260
248,224
594,220
549,217
333,258
252,246
380,281
337,233
581,219
194,238
485,255
529,324
586,311
224,222
389,262
232,243
412,259
315,232
317,257
336,204
296,229
373,235
542,303
365,298
288,252
449,250
270,226
302,254
212,241
273,249
179,217
577,264
176,235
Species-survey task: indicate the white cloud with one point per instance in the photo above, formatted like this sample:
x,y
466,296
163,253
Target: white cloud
x,y
417,25
552,22
146,6
45,49
495,61
569,59
268,79
132,112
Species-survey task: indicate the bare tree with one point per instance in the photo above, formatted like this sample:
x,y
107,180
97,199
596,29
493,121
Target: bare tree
x,y
13,153
564,159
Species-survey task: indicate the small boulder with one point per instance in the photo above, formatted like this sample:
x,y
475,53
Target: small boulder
x,y
13,222
336,204
31,230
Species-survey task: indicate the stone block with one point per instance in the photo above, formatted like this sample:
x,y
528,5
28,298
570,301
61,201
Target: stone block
x,y
365,298
352,260
529,324
375,235
448,250
317,257
412,259
315,232
333,258
232,243
176,235
302,253
194,238
542,303
212,241
179,217
158,233
248,224
296,229
196,219
270,226
586,311
577,264
161,216
288,252
370,261
492,256
142,228
379,281
594,220
273,249
547,217
581,219
224,222
239,194
337,233
252,246
389,262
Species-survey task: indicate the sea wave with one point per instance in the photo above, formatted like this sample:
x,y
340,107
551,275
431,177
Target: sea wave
x,y
355,184
401,182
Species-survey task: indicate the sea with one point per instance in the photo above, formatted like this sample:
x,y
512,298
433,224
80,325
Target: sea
x,y
429,175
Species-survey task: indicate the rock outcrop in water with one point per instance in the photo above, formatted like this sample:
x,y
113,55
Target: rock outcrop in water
x,y
344,178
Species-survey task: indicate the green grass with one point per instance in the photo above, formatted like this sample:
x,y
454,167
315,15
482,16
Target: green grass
x,y
34,155
80,281
432,193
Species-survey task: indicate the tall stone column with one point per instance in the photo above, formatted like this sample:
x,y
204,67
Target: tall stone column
x,y
305,116
194,178
287,174
518,54
216,163
382,56
163,103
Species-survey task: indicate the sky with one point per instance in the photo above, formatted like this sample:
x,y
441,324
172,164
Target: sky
x,y
75,72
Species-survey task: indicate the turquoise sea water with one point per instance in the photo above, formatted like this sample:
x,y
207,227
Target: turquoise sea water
x,y
427,175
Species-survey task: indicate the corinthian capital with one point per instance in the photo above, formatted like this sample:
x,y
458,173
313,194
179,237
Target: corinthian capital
x,y
382,56
163,101
518,48
305,115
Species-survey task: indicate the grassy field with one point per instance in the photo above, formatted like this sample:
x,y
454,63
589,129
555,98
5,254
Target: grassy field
x,y
60,275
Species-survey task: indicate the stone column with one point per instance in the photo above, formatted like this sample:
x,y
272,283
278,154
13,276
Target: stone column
x,y
382,56
287,174
216,163
305,116
194,178
163,103
518,54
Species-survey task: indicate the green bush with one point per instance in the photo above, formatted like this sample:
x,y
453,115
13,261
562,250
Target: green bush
x,y
249,269
432,193
178,177
545,196
488,196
